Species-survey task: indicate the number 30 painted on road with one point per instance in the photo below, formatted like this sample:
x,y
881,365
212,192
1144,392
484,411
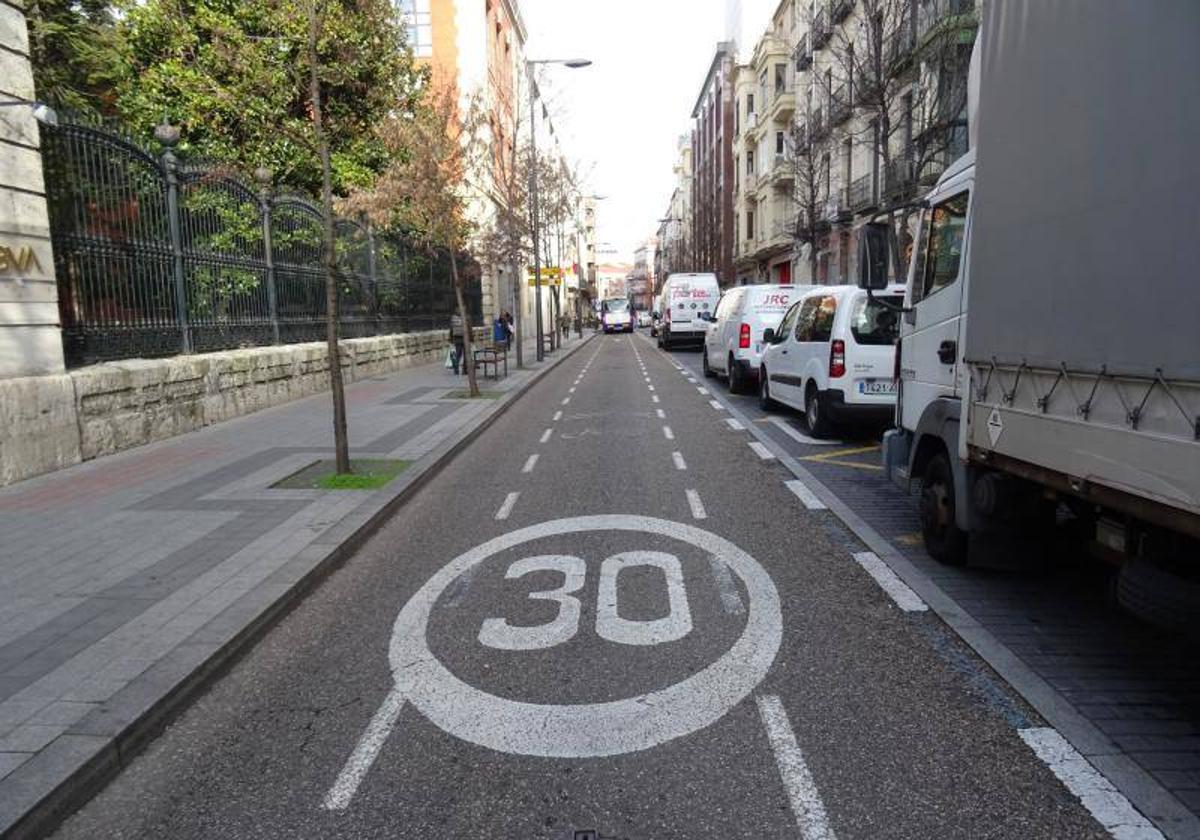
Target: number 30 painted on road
x,y
498,633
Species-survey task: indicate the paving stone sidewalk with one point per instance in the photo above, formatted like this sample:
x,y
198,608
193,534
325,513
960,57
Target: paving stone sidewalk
x,y
127,578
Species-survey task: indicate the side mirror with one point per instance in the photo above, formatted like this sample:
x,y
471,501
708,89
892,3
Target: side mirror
x,y
769,335
873,256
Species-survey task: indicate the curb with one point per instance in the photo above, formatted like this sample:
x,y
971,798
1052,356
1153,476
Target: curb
x,y
86,763
1146,794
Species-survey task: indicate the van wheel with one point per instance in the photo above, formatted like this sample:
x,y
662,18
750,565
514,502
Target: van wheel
x,y
764,392
708,373
737,379
814,413
944,540
666,342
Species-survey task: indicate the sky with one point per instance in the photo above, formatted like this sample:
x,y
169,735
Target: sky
x,y
621,118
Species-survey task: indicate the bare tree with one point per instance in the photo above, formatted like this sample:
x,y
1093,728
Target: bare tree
x,y
904,68
811,192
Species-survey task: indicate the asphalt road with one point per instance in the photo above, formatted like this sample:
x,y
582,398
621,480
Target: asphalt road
x,y
656,638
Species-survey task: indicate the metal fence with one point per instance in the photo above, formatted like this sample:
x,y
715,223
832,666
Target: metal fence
x,y
157,256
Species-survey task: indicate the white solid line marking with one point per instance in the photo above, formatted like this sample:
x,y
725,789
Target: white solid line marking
x,y
566,401
730,599
702,389
716,404
677,457
662,415
800,437
1107,804
802,792
667,433
506,508
365,753
761,450
736,425
557,416
804,494
546,435
655,398
530,463
696,505
904,597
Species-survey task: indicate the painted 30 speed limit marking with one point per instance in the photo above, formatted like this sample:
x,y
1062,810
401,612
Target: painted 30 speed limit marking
x,y
575,730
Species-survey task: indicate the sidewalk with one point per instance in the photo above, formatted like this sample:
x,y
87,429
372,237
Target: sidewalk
x,y
130,579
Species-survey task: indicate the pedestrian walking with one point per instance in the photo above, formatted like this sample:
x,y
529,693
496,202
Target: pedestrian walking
x,y
507,317
458,341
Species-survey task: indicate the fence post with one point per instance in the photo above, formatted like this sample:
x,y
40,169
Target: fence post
x,y
263,176
168,135
371,272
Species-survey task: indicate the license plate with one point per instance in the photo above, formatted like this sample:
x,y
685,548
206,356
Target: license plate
x,y
886,387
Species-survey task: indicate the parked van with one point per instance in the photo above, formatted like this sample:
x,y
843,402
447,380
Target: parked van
x,y
615,315
833,357
734,342
688,302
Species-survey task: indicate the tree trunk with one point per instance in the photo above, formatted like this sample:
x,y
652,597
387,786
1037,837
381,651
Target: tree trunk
x,y
329,257
468,355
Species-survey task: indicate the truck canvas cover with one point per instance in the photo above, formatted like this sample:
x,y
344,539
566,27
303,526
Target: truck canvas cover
x,y
1086,251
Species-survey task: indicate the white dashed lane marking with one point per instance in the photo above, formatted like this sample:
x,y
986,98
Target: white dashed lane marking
x,y
530,463
667,433
506,508
546,435
904,597
717,405
557,416
805,495
761,450
702,389
655,398
736,425
677,457
662,415
802,792
566,401
696,505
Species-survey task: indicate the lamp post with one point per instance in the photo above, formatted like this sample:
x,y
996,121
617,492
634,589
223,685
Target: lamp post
x,y
573,63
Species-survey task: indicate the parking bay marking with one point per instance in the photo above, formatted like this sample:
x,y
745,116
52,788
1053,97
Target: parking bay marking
x,y
800,489
573,730
799,437
761,450
835,458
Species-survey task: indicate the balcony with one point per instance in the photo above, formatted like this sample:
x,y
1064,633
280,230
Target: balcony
x,y
839,105
821,31
783,105
783,172
839,10
861,193
951,13
899,180
783,230
836,207
804,53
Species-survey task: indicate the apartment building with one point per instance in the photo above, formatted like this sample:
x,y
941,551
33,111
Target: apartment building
x,y
642,280
712,160
674,228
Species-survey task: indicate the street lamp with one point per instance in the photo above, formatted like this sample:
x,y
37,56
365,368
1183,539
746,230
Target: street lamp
x,y
573,63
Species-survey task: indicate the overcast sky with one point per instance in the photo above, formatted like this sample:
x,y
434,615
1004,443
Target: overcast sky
x,y
621,117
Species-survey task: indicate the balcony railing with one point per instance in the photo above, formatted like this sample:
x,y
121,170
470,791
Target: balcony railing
x,y
821,31
783,104
839,10
804,53
933,12
899,180
839,105
861,193
818,125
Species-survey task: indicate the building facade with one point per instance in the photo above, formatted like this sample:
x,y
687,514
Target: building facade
x,y
712,161
675,252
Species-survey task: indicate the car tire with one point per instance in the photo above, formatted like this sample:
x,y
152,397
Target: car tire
x,y
737,379
666,342
764,391
814,413
944,540
708,371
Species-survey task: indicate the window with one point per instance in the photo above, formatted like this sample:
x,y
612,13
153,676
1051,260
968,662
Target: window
x,y
419,23
804,323
822,325
750,162
779,143
789,320
873,323
749,225
780,79
749,104
943,243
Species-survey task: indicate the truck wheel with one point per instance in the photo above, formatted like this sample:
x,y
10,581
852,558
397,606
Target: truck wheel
x,y
814,413
1158,596
736,377
764,392
944,540
666,342
708,373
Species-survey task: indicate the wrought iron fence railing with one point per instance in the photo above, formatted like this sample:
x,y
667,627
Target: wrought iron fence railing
x,y
157,256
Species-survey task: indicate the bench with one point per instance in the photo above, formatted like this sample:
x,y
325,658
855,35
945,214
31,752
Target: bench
x,y
492,356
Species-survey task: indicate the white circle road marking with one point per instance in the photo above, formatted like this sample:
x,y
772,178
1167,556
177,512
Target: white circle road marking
x,y
590,729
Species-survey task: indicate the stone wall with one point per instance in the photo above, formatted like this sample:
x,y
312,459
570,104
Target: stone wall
x,y
30,337
50,422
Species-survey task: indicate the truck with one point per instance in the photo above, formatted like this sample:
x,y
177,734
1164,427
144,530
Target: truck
x,y
1049,351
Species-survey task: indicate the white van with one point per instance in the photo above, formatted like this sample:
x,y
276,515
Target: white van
x,y
688,300
615,315
734,342
833,357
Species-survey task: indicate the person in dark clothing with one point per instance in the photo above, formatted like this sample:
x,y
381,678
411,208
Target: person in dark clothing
x,y
458,340
507,318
